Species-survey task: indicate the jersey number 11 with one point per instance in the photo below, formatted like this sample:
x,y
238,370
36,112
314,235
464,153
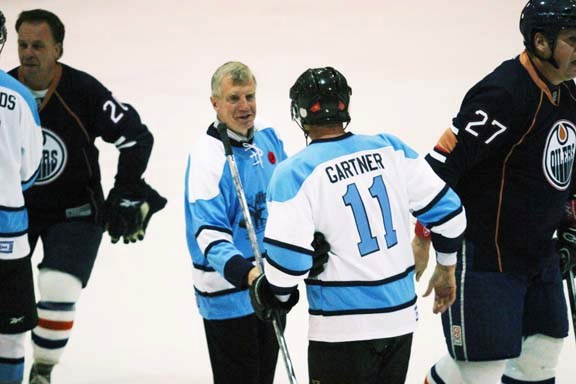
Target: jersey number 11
x,y
368,243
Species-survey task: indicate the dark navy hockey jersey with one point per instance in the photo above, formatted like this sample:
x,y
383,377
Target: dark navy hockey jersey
x,y
76,110
509,155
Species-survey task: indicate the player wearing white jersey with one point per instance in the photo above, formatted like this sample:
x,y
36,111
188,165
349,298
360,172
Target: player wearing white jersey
x,y
20,153
359,191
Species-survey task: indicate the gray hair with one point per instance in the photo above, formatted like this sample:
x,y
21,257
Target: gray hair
x,y
240,74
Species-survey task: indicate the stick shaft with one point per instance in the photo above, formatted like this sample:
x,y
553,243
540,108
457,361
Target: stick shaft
x,y
222,130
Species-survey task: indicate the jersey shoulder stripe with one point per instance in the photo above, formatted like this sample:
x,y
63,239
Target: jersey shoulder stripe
x,y
296,169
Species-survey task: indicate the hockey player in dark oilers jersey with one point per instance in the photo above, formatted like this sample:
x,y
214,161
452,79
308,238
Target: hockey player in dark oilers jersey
x,y
242,348
510,155
66,204
20,153
359,191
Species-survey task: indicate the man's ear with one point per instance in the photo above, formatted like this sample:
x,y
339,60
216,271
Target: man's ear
x,y
60,50
542,46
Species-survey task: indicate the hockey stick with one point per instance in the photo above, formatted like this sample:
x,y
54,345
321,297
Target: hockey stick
x,y
222,131
572,298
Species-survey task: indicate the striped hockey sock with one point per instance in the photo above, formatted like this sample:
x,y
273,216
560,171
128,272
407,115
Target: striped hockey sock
x,y
55,322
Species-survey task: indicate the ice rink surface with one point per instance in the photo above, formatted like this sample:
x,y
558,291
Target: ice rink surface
x,y
409,64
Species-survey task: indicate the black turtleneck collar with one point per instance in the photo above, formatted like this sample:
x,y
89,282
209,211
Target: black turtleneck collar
x,y
236,139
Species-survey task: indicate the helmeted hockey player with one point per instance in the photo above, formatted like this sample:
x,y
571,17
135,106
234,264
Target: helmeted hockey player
x,y
20,154
242,348
359,191
66,204
510,155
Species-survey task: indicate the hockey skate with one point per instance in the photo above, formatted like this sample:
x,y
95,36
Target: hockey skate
x,y
40,373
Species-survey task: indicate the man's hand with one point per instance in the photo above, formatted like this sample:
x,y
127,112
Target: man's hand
x,y
443,282
421,251
266,304
128,210
127,221
252,275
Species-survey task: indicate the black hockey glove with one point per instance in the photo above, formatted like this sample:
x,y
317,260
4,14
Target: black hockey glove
x,y
128,210
566,246
320,258
266,304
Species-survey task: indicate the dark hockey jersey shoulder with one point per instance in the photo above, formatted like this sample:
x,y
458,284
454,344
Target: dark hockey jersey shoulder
x,y
496,110
509,155
76,110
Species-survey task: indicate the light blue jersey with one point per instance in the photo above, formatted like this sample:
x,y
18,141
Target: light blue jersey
x,y
360,192
20,154
215,229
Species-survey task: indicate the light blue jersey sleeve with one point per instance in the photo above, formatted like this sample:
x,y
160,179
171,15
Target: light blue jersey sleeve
x,y
289,252
210,213
434,204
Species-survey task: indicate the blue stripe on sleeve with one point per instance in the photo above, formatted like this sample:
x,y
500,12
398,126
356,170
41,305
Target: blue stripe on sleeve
x,y
286,259
361,298
445,206
13,221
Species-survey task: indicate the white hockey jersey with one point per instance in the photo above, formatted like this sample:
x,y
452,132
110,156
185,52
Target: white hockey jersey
x,y
359,191
20,153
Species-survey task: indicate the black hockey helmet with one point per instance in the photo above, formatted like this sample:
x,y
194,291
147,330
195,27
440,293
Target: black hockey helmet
x,y
548,17
320,95
3,31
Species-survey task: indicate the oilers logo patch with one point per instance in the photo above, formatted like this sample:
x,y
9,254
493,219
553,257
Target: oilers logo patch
x,y
54,157
457,335
559,154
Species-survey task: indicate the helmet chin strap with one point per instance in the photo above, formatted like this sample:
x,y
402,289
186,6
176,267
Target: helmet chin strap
x,y
552,41
551,59
306,134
